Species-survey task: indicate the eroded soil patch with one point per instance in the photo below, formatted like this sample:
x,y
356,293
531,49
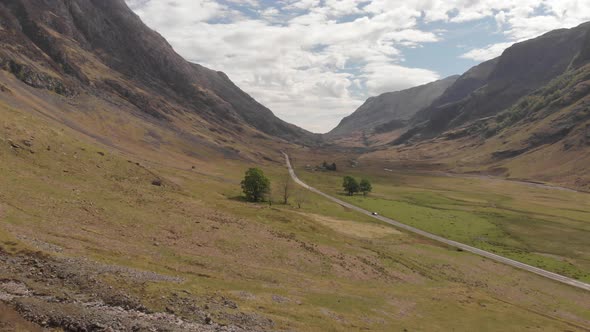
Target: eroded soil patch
x,y
70,294
354,228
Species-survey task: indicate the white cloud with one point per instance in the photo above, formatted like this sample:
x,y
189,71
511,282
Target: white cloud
x,y
252,3
486,53
174,13
386,77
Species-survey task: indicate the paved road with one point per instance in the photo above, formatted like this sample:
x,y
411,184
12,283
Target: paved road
x,y
497,258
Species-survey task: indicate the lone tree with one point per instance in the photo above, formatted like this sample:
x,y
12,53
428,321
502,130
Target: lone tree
x,y
365,187
350,185
300,199
255,185
287,190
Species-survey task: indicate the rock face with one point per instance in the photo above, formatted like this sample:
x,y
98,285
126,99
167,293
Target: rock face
x,y
493,86
102,47
392,109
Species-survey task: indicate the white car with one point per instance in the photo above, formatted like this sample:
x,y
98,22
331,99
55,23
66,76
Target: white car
x,y
375,213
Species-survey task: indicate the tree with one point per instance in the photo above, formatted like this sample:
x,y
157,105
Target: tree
x,y
333,168
255,185
287,189
300,198
365,187
350,185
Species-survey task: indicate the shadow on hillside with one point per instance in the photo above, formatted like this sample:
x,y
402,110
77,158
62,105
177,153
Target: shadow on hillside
x,y
238,198
243,199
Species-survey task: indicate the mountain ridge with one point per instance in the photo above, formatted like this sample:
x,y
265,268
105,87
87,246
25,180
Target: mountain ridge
x,y
521,69
397,106
102,47
540,131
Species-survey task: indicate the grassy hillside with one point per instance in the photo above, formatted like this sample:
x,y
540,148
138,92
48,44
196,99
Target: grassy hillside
x,y
103,49
526,117
495,85
511,117
544,137
81,221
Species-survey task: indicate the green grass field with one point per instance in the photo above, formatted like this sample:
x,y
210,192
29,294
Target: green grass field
x,y
544,227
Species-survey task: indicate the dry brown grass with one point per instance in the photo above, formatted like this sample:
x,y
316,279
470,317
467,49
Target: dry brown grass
x,y
355,228
293,267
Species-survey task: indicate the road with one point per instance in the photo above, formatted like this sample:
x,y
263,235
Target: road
x,y
464,247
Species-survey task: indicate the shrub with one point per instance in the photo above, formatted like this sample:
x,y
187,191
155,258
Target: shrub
x,y
255,185
350,185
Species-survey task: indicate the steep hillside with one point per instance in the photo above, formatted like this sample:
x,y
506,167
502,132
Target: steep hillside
x,y
544,136
103,50
463,86
522,69
392,109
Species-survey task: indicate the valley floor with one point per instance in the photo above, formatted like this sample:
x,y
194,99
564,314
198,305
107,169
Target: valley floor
x,y
537,224
445,241
88,241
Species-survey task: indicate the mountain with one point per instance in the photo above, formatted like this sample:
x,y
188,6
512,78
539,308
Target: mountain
x,y
100,48
524,115
391,109
493,86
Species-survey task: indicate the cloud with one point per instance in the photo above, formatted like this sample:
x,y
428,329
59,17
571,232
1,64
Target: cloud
x,y
486,53
386,77
170,14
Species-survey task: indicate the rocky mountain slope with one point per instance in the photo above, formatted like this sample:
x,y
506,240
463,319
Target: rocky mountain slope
x,y
544,136
101,49
391,110
493,86
525,115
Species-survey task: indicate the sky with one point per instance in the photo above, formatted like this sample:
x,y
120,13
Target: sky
x,y
312,62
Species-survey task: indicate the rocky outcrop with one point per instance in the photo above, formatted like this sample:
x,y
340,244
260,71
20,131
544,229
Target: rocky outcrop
x,y
36,79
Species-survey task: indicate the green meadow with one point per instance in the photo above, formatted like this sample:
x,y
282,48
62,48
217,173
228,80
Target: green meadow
x,y
538,225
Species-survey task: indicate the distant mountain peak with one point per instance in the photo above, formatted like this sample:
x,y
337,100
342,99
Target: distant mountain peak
x,y
398,106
